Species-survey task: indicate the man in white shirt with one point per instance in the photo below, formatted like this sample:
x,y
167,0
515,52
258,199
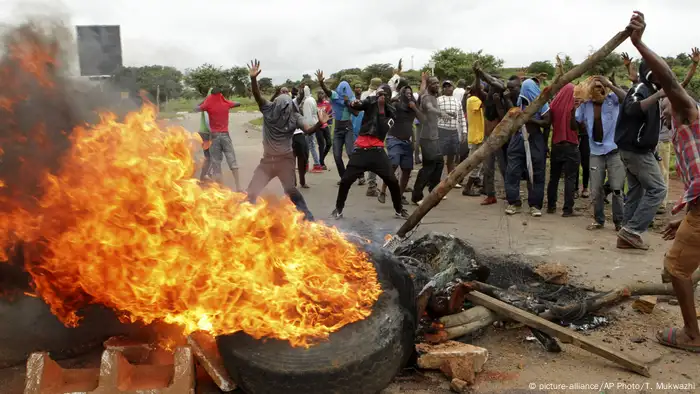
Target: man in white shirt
x,y
460,91
450,128
310,113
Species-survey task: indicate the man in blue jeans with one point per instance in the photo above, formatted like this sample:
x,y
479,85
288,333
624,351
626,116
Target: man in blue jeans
x,y
343,134
636,135
598,118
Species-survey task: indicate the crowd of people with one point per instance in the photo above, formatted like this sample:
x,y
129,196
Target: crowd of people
x,y
610,143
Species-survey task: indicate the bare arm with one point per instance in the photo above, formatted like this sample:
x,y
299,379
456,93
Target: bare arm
x,y
631,72
256,92
496,83
544,122
431,106
321,82
684,107
689,76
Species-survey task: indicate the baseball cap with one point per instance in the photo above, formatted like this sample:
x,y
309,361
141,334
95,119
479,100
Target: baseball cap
x,y
447,82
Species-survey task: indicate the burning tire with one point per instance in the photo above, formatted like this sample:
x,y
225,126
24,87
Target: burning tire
x,y
361,357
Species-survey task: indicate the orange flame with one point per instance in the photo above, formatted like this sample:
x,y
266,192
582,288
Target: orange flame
x,y
123,224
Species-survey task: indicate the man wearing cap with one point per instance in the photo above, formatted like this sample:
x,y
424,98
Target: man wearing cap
x,y
450,129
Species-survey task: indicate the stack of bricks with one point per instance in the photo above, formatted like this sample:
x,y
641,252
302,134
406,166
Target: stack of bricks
x,y
129,367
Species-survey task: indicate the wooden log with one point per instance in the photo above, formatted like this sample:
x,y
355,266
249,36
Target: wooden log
x,y
563,334
464,317
514,119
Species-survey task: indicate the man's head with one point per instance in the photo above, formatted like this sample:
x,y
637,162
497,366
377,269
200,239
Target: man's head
x,y
447,88
295,92
462,84
357,89
374,83
216,90
433,86
646,76
597,90
407,93
513,85
284,90
320,96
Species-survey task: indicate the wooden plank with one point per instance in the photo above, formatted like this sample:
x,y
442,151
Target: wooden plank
x,y
563,334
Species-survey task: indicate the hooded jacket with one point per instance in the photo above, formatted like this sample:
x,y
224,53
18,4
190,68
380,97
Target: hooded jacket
x,y
372,123
309,108
637,130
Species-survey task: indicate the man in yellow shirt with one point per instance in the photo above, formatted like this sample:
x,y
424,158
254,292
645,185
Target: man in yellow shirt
x,y
475,138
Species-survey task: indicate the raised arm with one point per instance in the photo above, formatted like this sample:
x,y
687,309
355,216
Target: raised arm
x,y
495,82
254,70
695,57
478,91
423,83
319,77
619,92
684,107
631,72
323,118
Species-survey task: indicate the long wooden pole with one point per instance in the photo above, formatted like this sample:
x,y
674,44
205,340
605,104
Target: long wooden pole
x,y
514,119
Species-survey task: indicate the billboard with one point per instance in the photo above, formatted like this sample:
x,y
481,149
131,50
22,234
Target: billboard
x,y
99,50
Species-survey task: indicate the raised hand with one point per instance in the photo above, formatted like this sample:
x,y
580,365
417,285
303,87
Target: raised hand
x,y
319,76
626,59
695,55
636,27
254,68
424,76
399,68
669,232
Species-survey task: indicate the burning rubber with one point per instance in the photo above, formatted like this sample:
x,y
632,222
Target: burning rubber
x,y
360,358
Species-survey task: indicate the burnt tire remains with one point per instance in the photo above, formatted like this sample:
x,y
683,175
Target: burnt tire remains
x,y
360,358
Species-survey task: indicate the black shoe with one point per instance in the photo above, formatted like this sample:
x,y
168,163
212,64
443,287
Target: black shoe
x,y
324,167
404,201
381,197
570,214
551,209
336,214
402,215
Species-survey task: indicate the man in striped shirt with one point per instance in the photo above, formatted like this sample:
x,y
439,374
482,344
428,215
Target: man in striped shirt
x,y
451,128
683,258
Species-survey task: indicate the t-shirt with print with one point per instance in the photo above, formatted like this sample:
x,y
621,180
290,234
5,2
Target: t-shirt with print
x,y
277,141
475,119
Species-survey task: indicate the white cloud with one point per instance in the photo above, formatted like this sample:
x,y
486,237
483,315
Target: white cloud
x,y
291,38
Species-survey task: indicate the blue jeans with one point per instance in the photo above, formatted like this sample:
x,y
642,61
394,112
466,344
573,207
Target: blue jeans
x,y
645,190
311,143
342,136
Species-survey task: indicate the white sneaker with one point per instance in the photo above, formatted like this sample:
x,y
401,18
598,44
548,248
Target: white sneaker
x,y
458,186
535,212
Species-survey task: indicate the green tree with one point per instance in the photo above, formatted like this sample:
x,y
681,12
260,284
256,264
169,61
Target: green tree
x,y
265,84
568,63
154,79
378,70
204,77
237,81
610,63
346,71
542,66
353,79
453,63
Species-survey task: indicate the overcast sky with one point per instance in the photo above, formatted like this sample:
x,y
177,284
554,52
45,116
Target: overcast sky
x,y
295,37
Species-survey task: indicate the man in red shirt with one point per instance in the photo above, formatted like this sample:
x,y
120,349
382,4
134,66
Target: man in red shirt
x,y
565,156
217,107
369,154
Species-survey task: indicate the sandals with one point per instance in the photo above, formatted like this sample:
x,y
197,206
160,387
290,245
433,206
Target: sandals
x,y
669,337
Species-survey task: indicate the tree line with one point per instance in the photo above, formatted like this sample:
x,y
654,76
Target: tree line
x,y
449,63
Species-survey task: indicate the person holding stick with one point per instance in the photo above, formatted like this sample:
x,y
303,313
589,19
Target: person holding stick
x,y
683,258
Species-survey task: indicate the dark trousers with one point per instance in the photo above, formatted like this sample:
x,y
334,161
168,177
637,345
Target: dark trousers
x,y
376,161
498,157
281,167
430,173
206,166
517,168
585,150
565,158
323,137
301,152
342,137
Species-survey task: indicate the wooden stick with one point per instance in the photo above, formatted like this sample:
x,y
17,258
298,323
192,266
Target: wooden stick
x,y
464,317
513,120
563,334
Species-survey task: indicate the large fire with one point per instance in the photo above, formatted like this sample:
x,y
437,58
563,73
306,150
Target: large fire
x,y
122,223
